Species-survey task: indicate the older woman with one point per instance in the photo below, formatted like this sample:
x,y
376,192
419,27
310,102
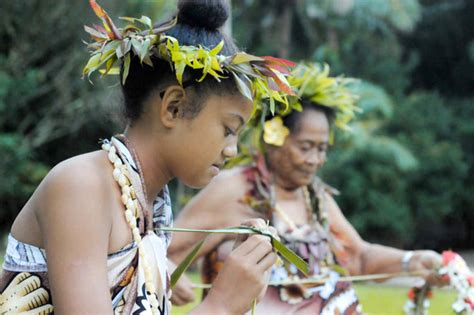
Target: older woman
x,y
280,186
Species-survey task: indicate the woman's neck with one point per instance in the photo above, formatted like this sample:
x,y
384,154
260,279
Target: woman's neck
x,y
286,191
153,165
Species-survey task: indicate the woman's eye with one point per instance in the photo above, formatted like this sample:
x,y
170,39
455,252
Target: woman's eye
x,y
305,148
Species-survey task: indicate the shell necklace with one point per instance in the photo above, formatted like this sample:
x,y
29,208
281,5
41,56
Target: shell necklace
x,y
130,201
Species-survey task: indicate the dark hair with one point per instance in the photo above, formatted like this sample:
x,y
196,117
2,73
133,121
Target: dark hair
x,y
291,121
198,24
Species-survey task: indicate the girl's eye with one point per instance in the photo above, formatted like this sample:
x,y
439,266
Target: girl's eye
x,y
228,132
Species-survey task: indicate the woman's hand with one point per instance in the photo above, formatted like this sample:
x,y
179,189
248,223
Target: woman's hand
x,y
427,262
244,276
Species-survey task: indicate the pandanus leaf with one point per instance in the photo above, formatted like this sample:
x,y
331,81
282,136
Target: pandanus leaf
x,y
278,246
183,266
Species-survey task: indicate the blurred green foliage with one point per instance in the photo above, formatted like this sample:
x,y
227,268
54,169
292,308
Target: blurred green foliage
x,y
406,171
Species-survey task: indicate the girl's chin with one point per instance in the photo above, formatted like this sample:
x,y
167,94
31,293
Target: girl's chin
x,y
198,183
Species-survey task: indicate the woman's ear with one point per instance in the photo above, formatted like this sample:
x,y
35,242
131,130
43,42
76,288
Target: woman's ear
x,y
173,103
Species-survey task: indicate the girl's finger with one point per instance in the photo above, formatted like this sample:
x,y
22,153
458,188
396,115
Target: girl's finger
x,y
266,263
250,244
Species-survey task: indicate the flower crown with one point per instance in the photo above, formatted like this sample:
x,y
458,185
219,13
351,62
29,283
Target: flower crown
x,y
262,77
312,83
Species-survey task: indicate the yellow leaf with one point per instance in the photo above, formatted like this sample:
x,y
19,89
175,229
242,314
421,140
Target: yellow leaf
x,y
214,51
242,57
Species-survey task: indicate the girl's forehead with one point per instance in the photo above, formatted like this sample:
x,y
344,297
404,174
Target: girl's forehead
x,y
235,105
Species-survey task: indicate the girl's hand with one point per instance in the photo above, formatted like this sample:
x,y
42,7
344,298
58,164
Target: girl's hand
x,y
244,276
427,262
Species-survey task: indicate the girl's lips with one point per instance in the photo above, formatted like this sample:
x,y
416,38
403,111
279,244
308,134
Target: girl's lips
x,y
215,169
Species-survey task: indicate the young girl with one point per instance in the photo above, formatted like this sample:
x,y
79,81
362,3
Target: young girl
x,y
89,238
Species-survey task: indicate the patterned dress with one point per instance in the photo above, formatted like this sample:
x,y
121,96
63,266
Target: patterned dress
x,y
314,242
24,284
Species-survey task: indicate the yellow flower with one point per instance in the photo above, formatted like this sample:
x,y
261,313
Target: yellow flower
x,y
274,132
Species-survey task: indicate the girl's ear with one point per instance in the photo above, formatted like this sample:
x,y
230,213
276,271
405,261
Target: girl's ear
x,y
173,102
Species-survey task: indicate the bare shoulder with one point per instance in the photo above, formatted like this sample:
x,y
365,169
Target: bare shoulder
x,y
220,202
80,184
81,175
229,182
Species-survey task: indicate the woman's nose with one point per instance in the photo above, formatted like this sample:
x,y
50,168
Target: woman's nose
x,y
314,158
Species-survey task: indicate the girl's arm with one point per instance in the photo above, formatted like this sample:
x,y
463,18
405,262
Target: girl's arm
x,y
75,225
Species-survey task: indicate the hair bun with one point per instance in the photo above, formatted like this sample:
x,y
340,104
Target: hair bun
x,y
209,14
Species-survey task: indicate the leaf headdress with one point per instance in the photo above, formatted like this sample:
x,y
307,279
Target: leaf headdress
x,y
313,85
262,77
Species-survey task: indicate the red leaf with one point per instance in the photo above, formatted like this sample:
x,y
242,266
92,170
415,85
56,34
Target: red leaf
x,y
283,86
281,69
99,28
97,9
265,70
279,61
110,27
272,85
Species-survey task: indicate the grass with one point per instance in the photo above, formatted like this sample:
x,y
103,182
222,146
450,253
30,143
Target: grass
x,y
376,299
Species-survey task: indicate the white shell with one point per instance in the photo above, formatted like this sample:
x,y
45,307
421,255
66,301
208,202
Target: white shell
x,y
126,190
118,163
128,215
116,173
122,180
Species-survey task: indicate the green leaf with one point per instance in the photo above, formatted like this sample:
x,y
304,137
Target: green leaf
x,y
183,266
146,21
243,88
137,46
279,247
123,48
290,256
126,68
92,63
94,32
144,49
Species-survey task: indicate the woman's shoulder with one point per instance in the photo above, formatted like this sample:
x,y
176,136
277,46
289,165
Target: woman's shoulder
x,y
232,179
227,187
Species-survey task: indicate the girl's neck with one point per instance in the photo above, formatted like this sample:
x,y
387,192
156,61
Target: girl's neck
x,y
153,164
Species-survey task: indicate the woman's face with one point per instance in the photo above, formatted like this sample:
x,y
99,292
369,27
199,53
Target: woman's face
x,y
210,138
304,151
